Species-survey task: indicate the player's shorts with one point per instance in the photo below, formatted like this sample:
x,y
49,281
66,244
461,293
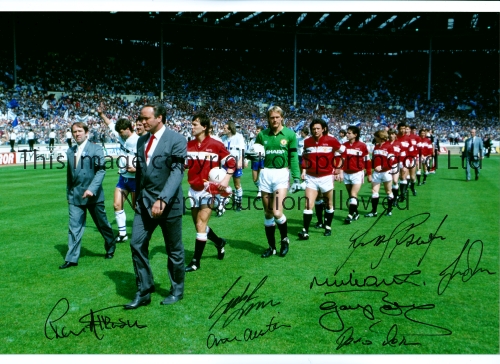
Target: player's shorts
x,y
410,162
323,184
198,198
395,171
256,165
381,177
428,160
272,179
126,184
354,178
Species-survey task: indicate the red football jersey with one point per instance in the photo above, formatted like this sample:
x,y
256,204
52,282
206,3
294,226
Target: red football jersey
x,y
396,146
355,158
426,147
201,159
404,143
383,155
318,156
413,149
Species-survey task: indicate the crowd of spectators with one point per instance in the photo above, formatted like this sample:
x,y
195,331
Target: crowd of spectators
x,y
54,90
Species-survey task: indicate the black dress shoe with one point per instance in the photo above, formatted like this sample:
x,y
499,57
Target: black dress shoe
x,y
138,301
109,256
67,265
328,232
171,299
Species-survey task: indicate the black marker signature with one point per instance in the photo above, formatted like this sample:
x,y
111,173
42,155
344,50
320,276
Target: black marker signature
x,y
333,321
402,234
94,323
452,271
368,281
248,334
392,339
240,304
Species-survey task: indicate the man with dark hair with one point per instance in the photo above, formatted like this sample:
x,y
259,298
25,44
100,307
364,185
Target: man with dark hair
x,y
127,139
159,172
205,153
139,127
85,172
317,169
343,137
235,144
355,160
280,144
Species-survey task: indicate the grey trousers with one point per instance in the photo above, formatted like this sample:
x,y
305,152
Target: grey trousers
x,y
474,164
77,223
142,230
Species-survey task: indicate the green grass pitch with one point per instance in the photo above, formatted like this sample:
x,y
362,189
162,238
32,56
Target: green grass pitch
x,y
422,281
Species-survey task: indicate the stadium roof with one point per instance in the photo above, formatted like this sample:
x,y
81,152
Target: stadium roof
x,y
342,31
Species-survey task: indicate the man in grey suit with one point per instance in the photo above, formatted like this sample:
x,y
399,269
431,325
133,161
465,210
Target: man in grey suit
x,y
473,153
159,201
85,172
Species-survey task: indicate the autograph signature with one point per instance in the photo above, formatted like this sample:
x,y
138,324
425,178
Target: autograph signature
x,y
392,339
248,334
239,306
368,281
452,271
333,319
402,234
94,322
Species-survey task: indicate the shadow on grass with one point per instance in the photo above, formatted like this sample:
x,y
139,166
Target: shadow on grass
x,y
124,283
84,252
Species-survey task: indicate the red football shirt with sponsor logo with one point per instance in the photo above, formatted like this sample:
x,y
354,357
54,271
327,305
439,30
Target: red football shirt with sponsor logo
x,y
318,156
202,158
355,158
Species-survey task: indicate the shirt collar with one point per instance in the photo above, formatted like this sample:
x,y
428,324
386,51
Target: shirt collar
x,y
82,146
160,132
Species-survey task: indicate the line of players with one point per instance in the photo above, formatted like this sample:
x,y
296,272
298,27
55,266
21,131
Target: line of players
x,y
397,160
393,158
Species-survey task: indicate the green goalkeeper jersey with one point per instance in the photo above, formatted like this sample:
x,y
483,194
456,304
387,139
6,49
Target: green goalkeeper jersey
x,y
281,150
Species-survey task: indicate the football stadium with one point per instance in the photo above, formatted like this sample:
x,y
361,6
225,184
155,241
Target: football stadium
x,y
324,182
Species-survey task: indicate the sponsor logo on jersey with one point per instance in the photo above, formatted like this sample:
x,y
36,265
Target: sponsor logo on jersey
x,y
279,151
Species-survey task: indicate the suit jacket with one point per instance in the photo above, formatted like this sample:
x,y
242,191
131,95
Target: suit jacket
x,y
475,150
88,174
162,178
